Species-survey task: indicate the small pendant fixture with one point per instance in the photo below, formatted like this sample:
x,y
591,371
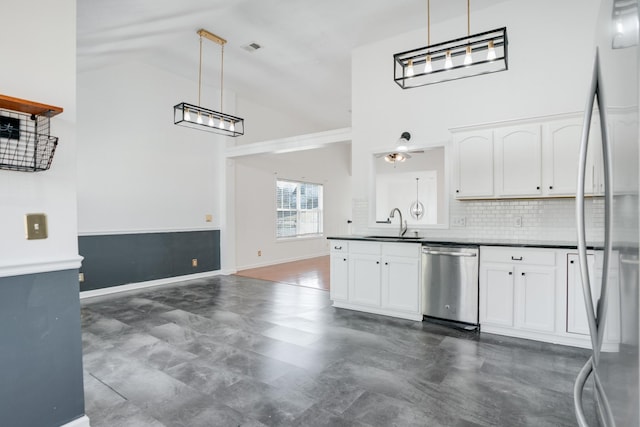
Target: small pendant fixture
x,y
417,208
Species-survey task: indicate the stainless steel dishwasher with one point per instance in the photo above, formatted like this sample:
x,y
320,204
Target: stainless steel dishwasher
x,y
450,283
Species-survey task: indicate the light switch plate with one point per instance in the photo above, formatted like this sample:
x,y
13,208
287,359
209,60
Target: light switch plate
x,y
35,226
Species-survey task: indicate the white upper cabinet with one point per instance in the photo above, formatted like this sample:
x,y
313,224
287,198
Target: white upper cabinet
x,y
538,158
562,151
518,161
474,168
624,126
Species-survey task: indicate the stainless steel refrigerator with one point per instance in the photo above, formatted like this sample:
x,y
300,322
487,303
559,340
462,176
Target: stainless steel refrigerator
x,y
606,390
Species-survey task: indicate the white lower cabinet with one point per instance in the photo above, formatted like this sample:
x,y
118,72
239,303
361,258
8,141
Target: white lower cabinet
x,y
339,271
496,294
383,278
535,298
364,279
577,322
536,293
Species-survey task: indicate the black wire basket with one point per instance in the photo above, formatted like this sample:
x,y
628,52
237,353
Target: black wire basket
x,y
25,142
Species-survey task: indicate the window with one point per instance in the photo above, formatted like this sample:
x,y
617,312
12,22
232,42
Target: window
x,y
298,209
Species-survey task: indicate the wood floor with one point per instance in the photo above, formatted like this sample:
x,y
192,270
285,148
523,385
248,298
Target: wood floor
x,y
311,273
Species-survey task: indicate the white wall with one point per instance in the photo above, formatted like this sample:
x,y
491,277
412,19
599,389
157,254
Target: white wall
x,y
255,207
39,57
264,123
550,58
137,171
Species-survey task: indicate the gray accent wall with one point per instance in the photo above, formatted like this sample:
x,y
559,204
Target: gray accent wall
x,y
117,259
40,350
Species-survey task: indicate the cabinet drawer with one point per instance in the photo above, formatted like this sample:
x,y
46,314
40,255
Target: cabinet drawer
x,y
518,255
366,248
402,249
339,246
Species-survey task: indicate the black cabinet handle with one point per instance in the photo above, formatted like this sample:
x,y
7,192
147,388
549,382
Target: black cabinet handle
x,y
516,259
523,273
571,262
337,247
386,263
457,191
551,187
510,273
344,259
538,187
377,262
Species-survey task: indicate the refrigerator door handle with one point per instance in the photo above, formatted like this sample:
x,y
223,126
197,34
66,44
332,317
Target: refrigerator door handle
x,y
596,320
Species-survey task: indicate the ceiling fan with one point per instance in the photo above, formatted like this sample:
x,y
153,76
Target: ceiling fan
x,y
401,153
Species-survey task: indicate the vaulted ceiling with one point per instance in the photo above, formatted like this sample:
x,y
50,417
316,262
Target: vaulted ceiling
x,y
303,65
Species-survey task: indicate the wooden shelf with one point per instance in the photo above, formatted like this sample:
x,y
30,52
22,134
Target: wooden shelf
x,y
28,107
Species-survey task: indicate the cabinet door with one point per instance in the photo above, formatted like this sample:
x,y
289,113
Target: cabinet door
x,y
535,298
576,312
624,128
364,279
339,277
563,151
519,166
401,284
474,162
496,294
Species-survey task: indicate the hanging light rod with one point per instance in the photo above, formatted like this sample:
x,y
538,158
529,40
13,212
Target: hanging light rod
x,y
469,56
201,118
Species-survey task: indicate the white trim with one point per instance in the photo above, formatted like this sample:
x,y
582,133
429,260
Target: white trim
x,y
41,266
294,143
280,261
377,310
151,283
83,421
568,339
144,231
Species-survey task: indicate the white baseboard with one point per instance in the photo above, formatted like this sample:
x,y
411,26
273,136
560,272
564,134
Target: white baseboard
x,y
280,261
83,421
151,283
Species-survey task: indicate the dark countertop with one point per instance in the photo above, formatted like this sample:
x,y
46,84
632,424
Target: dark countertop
x,y
465,241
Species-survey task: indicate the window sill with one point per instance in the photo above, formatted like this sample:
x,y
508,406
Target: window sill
x,y
297,238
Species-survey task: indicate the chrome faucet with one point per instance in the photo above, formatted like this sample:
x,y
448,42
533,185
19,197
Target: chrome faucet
x,y
403,224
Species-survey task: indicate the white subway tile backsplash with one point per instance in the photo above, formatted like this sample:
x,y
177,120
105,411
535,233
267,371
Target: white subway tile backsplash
x,y
542,219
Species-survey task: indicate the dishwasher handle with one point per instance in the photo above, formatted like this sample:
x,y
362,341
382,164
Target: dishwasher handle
x,y
458,254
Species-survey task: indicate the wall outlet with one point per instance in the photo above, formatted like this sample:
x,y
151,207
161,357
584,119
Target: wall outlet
x,y
259,253
194,262
459,221
80,277
208,218
517,221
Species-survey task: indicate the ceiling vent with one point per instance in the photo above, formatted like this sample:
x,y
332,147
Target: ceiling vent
x,y
252,47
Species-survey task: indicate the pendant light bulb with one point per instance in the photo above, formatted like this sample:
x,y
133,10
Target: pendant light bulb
x,y
448,63
232,126
410,71
199,118
187,115
210,123
427,65
491,51
221,124
468,60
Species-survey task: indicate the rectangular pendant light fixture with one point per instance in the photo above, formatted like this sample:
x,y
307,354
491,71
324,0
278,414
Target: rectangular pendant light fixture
x,y
477,54
469,56
198,117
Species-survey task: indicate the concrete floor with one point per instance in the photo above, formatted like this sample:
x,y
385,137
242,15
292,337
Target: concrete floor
x,y
236,351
